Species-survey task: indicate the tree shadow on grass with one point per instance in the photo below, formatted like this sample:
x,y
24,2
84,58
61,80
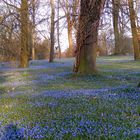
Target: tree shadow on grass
x,y
12,132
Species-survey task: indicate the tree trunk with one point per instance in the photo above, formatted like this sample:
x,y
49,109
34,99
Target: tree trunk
x,y
52,31
33,28
134,30
30,40
116,6
70,49
70,25
24,54
87,36
58,32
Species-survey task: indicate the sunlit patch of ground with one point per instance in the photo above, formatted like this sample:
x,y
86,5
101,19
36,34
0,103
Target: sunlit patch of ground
x,y
49,101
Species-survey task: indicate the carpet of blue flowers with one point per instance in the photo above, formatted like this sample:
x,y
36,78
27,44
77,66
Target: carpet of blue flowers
x,y
50,102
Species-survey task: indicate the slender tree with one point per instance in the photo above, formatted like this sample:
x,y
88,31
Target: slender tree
x,y
70,25
70,9
33,3
51,59
58,31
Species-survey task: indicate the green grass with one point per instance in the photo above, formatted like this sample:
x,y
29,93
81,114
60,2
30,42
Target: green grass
x,y
112,114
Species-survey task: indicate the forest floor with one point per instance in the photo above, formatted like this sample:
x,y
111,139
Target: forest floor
x,y
49,101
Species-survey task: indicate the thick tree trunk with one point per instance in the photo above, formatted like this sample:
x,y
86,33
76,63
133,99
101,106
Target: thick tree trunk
x,y
116,6
134,30
88,50
52,32
24,35
87,36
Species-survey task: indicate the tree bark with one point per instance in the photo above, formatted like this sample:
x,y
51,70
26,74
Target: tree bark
x,y
51,59
70,25
88,35
58,31
33,28
116,6
24,54
134,30
70,49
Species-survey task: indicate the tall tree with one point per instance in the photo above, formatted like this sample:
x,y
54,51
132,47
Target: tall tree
x,y
87,36
24,34
116,7
33,6
70,9
70,25
58,28
134,30
51,59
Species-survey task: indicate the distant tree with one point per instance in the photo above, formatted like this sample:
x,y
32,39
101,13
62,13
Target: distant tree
x,y
58,28
33,5
9,35
43,49
87,36
70,8
11,22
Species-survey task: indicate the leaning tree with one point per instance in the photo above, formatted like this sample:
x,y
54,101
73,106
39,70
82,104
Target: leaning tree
x,y
87,35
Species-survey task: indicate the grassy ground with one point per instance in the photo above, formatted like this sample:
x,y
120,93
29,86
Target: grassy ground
x,y
49,101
